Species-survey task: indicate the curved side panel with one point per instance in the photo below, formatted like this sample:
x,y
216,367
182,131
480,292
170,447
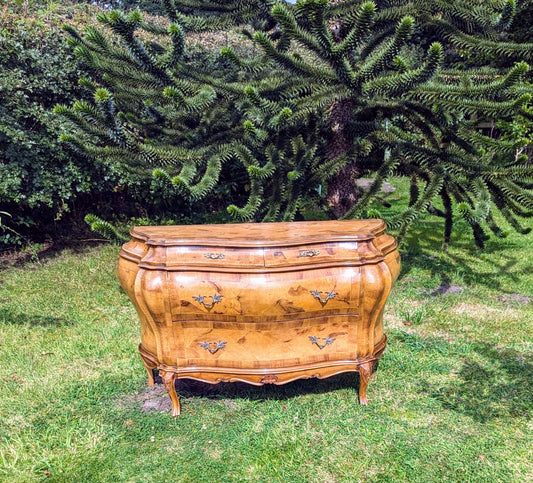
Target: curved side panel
x,y
391,266
151,292
392,260
128,270
376,284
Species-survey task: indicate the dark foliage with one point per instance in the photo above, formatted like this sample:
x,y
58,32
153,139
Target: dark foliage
x,y
44,188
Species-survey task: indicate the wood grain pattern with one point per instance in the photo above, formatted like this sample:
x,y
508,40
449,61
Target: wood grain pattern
x,y
260,234
260,303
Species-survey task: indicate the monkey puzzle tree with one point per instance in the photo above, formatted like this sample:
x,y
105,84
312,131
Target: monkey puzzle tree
x,y
412,116
338,85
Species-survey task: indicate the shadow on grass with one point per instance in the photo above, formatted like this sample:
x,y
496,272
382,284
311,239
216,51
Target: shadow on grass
x,y
41,252
471,275
189,388
9,317
422,243
490,383
231,390
500,387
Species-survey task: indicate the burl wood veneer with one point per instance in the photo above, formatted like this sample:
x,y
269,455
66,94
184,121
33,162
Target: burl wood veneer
x,y
260,303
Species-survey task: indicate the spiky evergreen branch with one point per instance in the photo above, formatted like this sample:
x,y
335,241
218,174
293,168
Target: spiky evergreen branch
x,y
494,97
406,116
106,229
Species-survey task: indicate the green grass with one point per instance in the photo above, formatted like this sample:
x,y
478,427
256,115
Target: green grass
x,y
452,400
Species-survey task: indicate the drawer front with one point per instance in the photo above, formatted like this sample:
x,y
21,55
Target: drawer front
x,y
267,345
253,297
319,253
214,256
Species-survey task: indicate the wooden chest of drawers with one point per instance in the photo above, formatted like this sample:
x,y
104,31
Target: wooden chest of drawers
x,y
260,303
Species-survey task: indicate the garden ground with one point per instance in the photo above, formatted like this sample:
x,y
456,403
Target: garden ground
x,y
452,399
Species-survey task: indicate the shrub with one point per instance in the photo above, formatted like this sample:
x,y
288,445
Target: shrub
x,y
39,179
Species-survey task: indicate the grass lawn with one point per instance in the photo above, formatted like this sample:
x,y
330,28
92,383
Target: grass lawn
x,y
452,399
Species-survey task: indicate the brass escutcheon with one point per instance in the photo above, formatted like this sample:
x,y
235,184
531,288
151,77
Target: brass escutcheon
x,y
327,341
214,256
318,295
214,300
213,346
308,253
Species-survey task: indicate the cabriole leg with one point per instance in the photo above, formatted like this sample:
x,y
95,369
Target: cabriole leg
x,y
149,365
365,371
169,379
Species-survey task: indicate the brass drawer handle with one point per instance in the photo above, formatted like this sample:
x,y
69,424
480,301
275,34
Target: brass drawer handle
x,y
327,341
309,253
213,346
214,300
318,295
214,256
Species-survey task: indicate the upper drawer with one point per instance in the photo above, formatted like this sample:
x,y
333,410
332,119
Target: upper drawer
x,y
195,256
320,253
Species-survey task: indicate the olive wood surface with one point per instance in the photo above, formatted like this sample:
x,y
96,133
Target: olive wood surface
x,y
260,303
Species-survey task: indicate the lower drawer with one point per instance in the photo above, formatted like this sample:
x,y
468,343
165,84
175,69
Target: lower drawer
x,y
266,345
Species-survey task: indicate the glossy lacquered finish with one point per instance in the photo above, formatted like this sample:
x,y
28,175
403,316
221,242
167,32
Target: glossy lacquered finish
x,y
260,303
